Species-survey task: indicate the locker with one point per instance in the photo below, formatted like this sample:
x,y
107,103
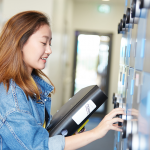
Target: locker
x,y
146,66
136,95
135,76
124,83
144,113
130,90
133,46
128,48
141,40
120,79
123,50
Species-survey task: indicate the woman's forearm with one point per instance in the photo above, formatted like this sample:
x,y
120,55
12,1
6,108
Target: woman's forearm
x,y
79,140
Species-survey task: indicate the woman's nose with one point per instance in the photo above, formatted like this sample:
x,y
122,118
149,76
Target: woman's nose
x,y
48,50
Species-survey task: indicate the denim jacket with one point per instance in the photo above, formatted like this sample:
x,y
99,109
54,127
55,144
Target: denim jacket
x,y
21,120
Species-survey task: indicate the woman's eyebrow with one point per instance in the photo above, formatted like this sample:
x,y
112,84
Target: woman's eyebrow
x,y
47,37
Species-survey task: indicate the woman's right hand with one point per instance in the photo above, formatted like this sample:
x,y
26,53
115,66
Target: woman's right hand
x,y
82,139
107,123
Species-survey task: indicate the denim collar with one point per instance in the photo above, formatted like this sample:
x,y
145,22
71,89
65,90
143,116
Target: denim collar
x,y
43,85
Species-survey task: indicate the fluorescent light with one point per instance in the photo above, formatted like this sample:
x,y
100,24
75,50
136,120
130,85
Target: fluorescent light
x,y
104,8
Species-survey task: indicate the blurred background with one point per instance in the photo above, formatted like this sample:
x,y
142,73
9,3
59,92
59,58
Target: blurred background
x,y
85,49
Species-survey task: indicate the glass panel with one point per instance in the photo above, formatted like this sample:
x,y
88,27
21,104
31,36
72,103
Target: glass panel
x,y
92,62
87,60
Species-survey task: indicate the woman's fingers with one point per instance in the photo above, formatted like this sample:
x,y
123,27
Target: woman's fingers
x,y
116,120
117,109
116,129
116,112
116,125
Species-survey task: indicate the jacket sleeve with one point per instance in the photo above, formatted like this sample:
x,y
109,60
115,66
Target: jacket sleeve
x,y
20,130
59,139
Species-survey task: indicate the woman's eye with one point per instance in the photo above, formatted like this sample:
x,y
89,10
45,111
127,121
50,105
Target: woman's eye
x,y
43,43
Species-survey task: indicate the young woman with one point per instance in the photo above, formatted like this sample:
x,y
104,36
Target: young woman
x,y
25,45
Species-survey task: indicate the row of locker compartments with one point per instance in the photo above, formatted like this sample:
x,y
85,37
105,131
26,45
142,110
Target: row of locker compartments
x,y
134,85
136,57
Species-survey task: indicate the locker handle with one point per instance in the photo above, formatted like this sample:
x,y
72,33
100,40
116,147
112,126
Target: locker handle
x,y
143,48
118,136
123,76
132,87
129,48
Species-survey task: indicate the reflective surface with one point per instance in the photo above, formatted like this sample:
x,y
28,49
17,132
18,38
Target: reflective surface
x,y
134,80
92,62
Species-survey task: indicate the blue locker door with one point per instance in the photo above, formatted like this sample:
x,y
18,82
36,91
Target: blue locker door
x,y
133,46
141,40
136,95
130,90
144,113
124,82
128,48
123,49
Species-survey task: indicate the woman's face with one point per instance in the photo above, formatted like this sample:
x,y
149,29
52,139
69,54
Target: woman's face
x,y
37,49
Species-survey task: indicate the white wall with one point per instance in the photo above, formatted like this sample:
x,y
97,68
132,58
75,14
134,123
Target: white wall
x,y
57,59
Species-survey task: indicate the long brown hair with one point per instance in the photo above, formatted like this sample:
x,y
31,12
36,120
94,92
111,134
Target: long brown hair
x,y
14,35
